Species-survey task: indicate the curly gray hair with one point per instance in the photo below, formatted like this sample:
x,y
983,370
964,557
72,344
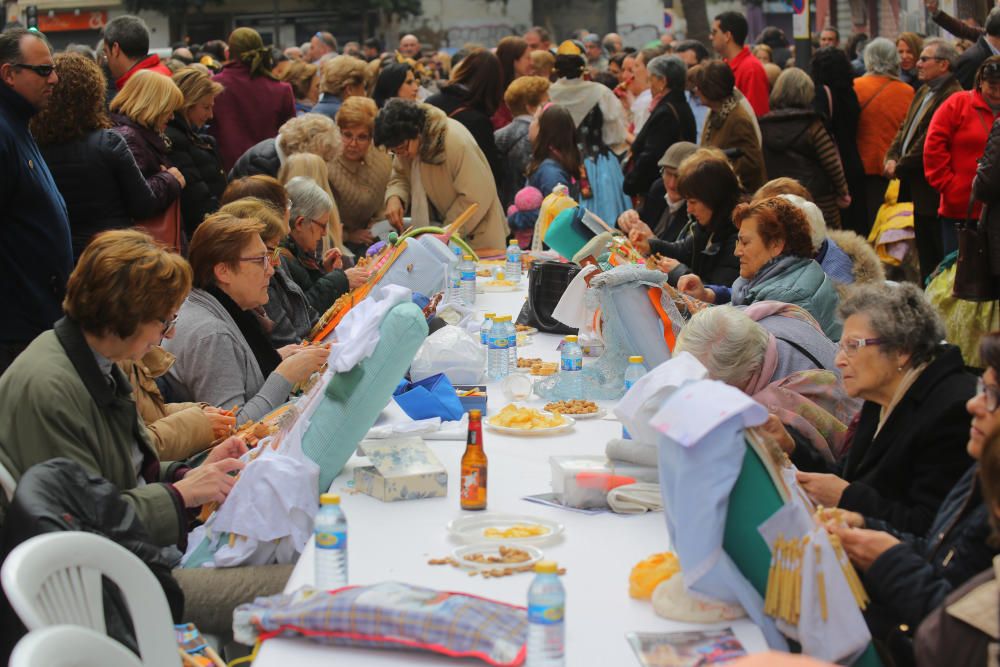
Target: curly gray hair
x,y
727,342
309,200
900,315
881,57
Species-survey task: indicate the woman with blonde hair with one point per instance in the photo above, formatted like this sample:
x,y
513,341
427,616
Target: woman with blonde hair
x,y
315,169
140,112
340,78
192,150
304,79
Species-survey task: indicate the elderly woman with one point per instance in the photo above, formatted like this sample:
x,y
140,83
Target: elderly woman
x,y
395,80
341,77
523,98
140,113
192,150
321,278
908,448
223,355
777,354
797,144
708,183
670,213
729,126
359,173
309,133
438,164
956,139
669,121
91,163
775,252
884,101
303,77
908,575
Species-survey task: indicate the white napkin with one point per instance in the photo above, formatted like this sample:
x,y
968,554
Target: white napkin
x,y
358,333
571,309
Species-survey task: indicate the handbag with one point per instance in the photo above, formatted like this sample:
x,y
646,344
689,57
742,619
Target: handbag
x,y
165,228
973,280
546,283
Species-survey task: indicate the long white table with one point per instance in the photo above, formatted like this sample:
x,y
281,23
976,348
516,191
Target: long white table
x,y
393,541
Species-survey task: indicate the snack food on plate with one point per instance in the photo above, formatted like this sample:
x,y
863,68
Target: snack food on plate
x,y
650,573
513,416
501,283
517,530
537,366
572,407
505,555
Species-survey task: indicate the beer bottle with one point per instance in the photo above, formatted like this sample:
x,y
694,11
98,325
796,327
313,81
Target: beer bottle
x,y
473,487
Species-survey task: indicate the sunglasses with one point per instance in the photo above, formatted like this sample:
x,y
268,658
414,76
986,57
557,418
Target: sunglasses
x,y
44,71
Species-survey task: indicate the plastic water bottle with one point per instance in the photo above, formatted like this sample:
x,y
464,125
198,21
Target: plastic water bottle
x,y
571,368
512,267
468,269
484,329
496,354
636,369
330,530
546,618
455,276
508,324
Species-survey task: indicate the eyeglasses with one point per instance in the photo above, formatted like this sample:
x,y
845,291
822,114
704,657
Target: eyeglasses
x,y
263,260
991,392
44,71
318,224
355,138
169,325
850,346
924,59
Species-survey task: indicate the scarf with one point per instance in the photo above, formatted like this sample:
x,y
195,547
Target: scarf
x,y
716,119
772,269
247,47
904,386
250,326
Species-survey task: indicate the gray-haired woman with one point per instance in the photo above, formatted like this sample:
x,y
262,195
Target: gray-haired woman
x,y
321,278
909,443
670,121
884,101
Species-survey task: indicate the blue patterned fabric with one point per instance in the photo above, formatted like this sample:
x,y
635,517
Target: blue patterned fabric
x,y
835,262
607,185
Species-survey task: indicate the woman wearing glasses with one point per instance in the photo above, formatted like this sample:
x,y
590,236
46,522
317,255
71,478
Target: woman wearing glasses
x,y
909,442
909,575
224,357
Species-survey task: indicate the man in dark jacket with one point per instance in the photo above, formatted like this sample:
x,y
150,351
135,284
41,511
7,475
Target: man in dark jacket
x,y
987,45
36,256
905,158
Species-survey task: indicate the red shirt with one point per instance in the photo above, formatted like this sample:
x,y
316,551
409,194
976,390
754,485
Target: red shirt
x,y
151,62
751,80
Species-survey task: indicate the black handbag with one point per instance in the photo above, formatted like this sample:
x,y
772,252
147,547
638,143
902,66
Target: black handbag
x,y
546,283
973,279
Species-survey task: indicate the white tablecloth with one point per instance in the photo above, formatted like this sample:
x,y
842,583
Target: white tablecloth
x,y
393,541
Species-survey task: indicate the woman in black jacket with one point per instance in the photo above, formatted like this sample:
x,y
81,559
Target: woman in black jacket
x,y
193,151
908,449
670,121
471,97
91,164
709,185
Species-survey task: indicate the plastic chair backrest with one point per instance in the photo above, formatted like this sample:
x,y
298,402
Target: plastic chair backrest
x,y
7,482
55,579
71,646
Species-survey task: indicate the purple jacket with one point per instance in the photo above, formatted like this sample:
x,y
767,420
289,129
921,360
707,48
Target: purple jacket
x,y
150,152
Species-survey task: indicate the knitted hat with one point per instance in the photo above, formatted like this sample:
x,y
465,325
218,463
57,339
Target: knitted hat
x,y
528,198
676,154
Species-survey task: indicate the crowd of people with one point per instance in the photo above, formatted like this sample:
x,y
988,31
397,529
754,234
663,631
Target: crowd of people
x,y
173,229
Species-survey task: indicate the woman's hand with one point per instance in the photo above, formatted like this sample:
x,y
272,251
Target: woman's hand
x,y
639,240
863,546
288,350
209,482
356,277
361,237
394,211
230,448
837,516
844,201
628,220
667,264
298,367
691,285
176,173
824,489
333,259
221,421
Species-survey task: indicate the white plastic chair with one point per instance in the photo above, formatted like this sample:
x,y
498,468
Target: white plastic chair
x,y
70,646
55,579
7,482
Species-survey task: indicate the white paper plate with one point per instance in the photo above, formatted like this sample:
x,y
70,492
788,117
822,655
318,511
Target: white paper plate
x,y
493,549
470,529
532,431
590,415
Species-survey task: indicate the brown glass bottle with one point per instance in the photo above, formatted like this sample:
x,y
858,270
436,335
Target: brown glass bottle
x,y
473,477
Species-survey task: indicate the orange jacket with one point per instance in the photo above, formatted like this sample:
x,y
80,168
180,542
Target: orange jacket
x,y
884,102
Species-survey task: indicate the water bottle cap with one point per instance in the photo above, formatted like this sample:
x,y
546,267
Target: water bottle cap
x,y
475,414
636,359
546,567
329,499
467,258
502,318
490,316
571,339
501,275
512,242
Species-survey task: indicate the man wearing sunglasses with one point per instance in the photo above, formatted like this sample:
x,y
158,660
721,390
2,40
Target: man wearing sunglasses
x,y
36,257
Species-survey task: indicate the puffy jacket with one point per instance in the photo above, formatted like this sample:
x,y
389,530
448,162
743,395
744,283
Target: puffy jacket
x,y
195,155
806,285
790,149
321,288
956,139
150,152
101,183
288,308
261,158
671,121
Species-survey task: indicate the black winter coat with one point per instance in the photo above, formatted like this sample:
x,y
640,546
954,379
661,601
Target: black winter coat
x,y
670,122
454,102
321,289
789,149
902,474
198,159
970,60
986,188
101,183
261,158
707,252
911,579
150,152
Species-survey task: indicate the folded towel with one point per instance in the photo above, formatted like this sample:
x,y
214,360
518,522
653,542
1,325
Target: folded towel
x,y
632,451
635,498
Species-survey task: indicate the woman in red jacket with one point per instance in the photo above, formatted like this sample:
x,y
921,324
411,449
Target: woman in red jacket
x,y
955,141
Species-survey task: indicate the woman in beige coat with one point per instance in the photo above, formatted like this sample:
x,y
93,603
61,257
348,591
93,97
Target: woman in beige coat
x,y
438,171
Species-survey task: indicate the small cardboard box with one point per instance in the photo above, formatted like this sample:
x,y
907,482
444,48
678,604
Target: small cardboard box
x,y
402,469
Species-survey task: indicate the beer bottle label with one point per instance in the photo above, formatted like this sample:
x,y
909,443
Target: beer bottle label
x,y
473,483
